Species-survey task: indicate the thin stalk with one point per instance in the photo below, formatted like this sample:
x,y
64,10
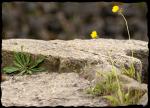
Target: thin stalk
x,y
128,35
126,24
117,79
119,88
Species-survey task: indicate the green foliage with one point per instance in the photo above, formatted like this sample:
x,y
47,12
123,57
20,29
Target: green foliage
x,y
105,87
10,69
129,72
132,73
139,76
114,100
131,97
24,63
111,89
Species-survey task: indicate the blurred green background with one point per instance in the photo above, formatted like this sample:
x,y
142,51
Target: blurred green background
x,y
72,20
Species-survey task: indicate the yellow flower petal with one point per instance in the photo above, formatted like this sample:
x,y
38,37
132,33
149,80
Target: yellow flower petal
x,y
94,34
115,9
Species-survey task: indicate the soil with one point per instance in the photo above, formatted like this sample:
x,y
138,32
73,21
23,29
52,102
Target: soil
x,y
48,89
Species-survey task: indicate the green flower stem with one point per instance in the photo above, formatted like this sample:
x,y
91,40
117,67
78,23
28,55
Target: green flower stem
x,y
127,30
129,37
118,83
126,24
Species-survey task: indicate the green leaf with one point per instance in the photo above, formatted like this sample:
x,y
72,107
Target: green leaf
x,y
29,72
138,77
10,70
31,62
40,69
17,58
28,58
113,99
17,64
38,61
126,96
22,72
23,58
119,92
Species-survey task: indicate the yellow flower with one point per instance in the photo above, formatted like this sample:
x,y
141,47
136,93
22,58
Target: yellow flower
x,y
94,34
115,9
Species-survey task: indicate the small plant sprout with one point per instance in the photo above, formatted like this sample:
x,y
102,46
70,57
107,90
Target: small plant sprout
x,y
24,64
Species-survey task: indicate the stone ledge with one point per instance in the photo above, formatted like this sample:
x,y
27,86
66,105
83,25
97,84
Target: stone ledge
x,y
74,55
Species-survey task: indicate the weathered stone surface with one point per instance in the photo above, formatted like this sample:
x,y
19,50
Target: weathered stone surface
x,y
74,55
144,100
95,74
69,57
91,72
48,89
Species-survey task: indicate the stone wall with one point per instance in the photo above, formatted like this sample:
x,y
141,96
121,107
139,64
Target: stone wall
x,y
75,55
72,67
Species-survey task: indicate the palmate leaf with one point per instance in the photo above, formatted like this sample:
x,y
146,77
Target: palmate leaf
x,y
18,58
24,63
23,58
28,59
37,62
17,64
10,69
